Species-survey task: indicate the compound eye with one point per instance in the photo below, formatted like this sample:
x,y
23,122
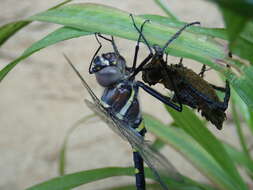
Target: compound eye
x,y
99,63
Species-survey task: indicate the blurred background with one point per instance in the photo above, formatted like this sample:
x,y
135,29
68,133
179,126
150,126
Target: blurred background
x,y
42,98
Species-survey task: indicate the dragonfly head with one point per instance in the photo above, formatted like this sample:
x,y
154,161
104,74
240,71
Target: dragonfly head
x,y
109,68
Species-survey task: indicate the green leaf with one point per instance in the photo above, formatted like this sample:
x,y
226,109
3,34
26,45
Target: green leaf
x,y
59,35
241,7
63,151
158,144
240,158
243,44
243,85
234,22
238,16
238,125
243,109
80,178
209,32
165,7
156,186
133,187
7,30
111,21
191,150
191,124
107,20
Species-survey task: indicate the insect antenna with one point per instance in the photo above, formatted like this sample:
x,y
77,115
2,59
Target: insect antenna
x,y
115,49
140,31
175,36
100,45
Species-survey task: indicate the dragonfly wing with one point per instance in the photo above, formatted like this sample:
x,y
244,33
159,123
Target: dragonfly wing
x,y
106,117
159,165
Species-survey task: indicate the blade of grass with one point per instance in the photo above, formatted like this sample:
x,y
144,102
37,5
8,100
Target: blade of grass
x,y
62,155
210,32
193,126
245,111
61,34
111,21
164,6
241,7
191,150
240,158
156,186
8,30
238,19
239,128
80,178
98,18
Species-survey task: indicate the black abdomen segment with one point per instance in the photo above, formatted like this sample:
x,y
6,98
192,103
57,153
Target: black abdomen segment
x,y
139,171
138,163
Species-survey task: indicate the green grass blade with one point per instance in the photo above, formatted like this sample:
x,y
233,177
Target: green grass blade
x,y
234,23
245,112
238,125
8,30
191,150
59,35
80,178
156,187
63,151
111,21
107,20
240,158
191,124
164,6
241,7
238,19
243,44
243,85
209,32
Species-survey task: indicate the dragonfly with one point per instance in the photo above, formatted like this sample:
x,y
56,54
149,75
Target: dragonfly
x,y
119,108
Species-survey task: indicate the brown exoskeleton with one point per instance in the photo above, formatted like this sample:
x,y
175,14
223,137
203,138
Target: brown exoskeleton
x,y
189,87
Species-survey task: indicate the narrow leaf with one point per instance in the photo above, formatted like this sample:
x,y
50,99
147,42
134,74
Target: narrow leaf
x,y
8,30
240,158
111,21
107,20
242,7
209,32
191,150
76,179
80,178
59,35
191,124
63,151
164,6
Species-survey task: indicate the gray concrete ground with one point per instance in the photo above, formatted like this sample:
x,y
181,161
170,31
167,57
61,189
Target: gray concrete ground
x,y
41,98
